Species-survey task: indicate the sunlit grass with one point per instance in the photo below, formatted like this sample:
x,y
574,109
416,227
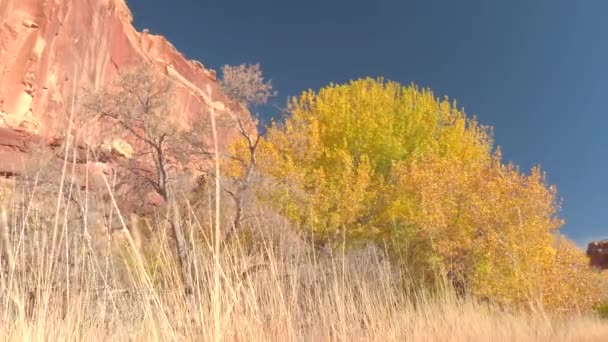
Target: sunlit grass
x,y
122,292
69,277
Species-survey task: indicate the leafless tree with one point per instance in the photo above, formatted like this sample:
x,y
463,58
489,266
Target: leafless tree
x,y
245,85
241,185
139,105
139,108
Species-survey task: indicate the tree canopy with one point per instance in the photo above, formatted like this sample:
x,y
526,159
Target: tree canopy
x,y
373,160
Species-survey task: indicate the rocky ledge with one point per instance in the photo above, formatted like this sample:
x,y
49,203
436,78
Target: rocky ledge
x,y
598,254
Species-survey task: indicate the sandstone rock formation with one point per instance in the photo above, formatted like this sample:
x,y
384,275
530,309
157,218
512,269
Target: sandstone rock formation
x,y
50,51
50,48
598,254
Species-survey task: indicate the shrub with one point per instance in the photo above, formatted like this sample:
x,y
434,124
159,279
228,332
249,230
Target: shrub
x,y
602,310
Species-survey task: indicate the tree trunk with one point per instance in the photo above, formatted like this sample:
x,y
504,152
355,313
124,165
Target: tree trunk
x,y
183,252
238,218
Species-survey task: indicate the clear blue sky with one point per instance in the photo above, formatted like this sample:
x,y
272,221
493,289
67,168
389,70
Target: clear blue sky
x,y
535,70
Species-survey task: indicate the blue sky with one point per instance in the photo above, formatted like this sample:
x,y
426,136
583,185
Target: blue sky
x,y
535,70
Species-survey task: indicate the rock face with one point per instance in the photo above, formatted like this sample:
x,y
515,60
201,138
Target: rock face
x,y
598,254
50,50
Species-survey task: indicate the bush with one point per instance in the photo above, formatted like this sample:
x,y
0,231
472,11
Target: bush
x,y
602,310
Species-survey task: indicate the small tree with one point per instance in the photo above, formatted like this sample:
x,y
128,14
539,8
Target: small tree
x,y
138,108
245,85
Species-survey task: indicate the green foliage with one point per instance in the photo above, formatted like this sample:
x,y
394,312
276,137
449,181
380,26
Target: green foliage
x,y
602,310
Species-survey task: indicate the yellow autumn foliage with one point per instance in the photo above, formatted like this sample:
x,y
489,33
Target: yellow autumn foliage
x,y
373,160
568,283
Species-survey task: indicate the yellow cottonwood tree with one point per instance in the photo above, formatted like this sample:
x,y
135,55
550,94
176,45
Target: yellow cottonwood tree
x,y
567,281
373,160
336,152
485,221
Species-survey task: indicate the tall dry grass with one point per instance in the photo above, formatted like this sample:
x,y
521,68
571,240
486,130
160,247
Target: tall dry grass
x,y
109,288
68,274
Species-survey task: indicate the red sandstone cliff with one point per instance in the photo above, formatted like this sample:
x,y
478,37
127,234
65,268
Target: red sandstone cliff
x,y
52,50
598,254
48,47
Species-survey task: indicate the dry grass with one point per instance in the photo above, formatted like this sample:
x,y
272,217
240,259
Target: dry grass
x,y
96,289
65,276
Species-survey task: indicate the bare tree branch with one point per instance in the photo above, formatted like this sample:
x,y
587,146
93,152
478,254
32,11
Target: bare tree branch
x,y
139,104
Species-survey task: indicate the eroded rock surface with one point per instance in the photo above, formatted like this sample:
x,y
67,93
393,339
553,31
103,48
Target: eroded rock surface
x,y
598,254
52,50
